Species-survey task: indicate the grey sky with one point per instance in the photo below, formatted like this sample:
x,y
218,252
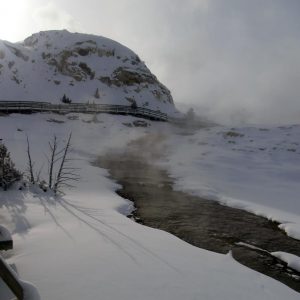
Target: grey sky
x,y
231,59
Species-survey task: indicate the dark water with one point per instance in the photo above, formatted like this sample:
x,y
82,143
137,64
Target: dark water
x,y
201,222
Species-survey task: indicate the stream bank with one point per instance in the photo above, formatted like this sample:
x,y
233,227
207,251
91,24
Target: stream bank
x,y
201,222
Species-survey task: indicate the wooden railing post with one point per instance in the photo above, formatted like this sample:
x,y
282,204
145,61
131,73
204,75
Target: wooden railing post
x,y
9,277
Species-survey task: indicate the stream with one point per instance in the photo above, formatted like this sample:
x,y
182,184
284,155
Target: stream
x,y
201,222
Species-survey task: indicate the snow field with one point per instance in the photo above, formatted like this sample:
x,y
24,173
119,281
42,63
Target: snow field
x,y
252,168
81,246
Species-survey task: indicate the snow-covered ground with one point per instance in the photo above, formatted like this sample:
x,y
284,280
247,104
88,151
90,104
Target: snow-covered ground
x,y
252,168
291,260
81,246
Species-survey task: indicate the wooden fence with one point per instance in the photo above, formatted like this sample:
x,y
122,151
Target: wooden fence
x,y
11,280
35,106
7,274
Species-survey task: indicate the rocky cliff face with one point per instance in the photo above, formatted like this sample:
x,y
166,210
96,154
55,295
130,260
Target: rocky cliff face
x,y
86,68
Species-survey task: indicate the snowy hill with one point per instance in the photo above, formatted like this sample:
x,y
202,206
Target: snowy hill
x,y
86,68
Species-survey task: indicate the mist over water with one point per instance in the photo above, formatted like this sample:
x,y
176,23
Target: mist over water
x,y
234,61
238,61
239,115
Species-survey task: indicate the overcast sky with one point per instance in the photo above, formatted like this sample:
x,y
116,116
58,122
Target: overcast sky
x,y
231,59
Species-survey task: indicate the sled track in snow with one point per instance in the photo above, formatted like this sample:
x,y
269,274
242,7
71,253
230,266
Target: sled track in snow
x,y
35,106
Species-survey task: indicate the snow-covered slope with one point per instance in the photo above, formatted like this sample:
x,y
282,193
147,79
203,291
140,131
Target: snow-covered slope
x,y
81,246
86,68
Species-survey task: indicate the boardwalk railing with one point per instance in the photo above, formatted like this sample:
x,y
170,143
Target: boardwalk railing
x,y
7,274
35,106
9,277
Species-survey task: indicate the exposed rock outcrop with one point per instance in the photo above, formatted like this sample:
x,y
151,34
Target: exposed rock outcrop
x,y
49,64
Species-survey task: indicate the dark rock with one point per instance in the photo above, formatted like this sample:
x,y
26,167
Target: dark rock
x,y
140,123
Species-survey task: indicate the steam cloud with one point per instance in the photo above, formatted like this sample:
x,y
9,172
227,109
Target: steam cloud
x,y
233,60
51,16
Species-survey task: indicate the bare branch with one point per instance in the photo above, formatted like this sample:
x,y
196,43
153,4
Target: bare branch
x,y
38,174
53,148
65,174
30,164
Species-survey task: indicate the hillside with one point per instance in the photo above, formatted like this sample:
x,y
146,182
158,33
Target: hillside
x,y
86,68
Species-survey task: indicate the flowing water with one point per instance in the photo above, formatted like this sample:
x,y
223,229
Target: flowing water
x,y
201,222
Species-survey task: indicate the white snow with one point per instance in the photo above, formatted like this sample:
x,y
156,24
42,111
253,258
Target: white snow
x,y
292,260
81,246
54,64
30,291
256,169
